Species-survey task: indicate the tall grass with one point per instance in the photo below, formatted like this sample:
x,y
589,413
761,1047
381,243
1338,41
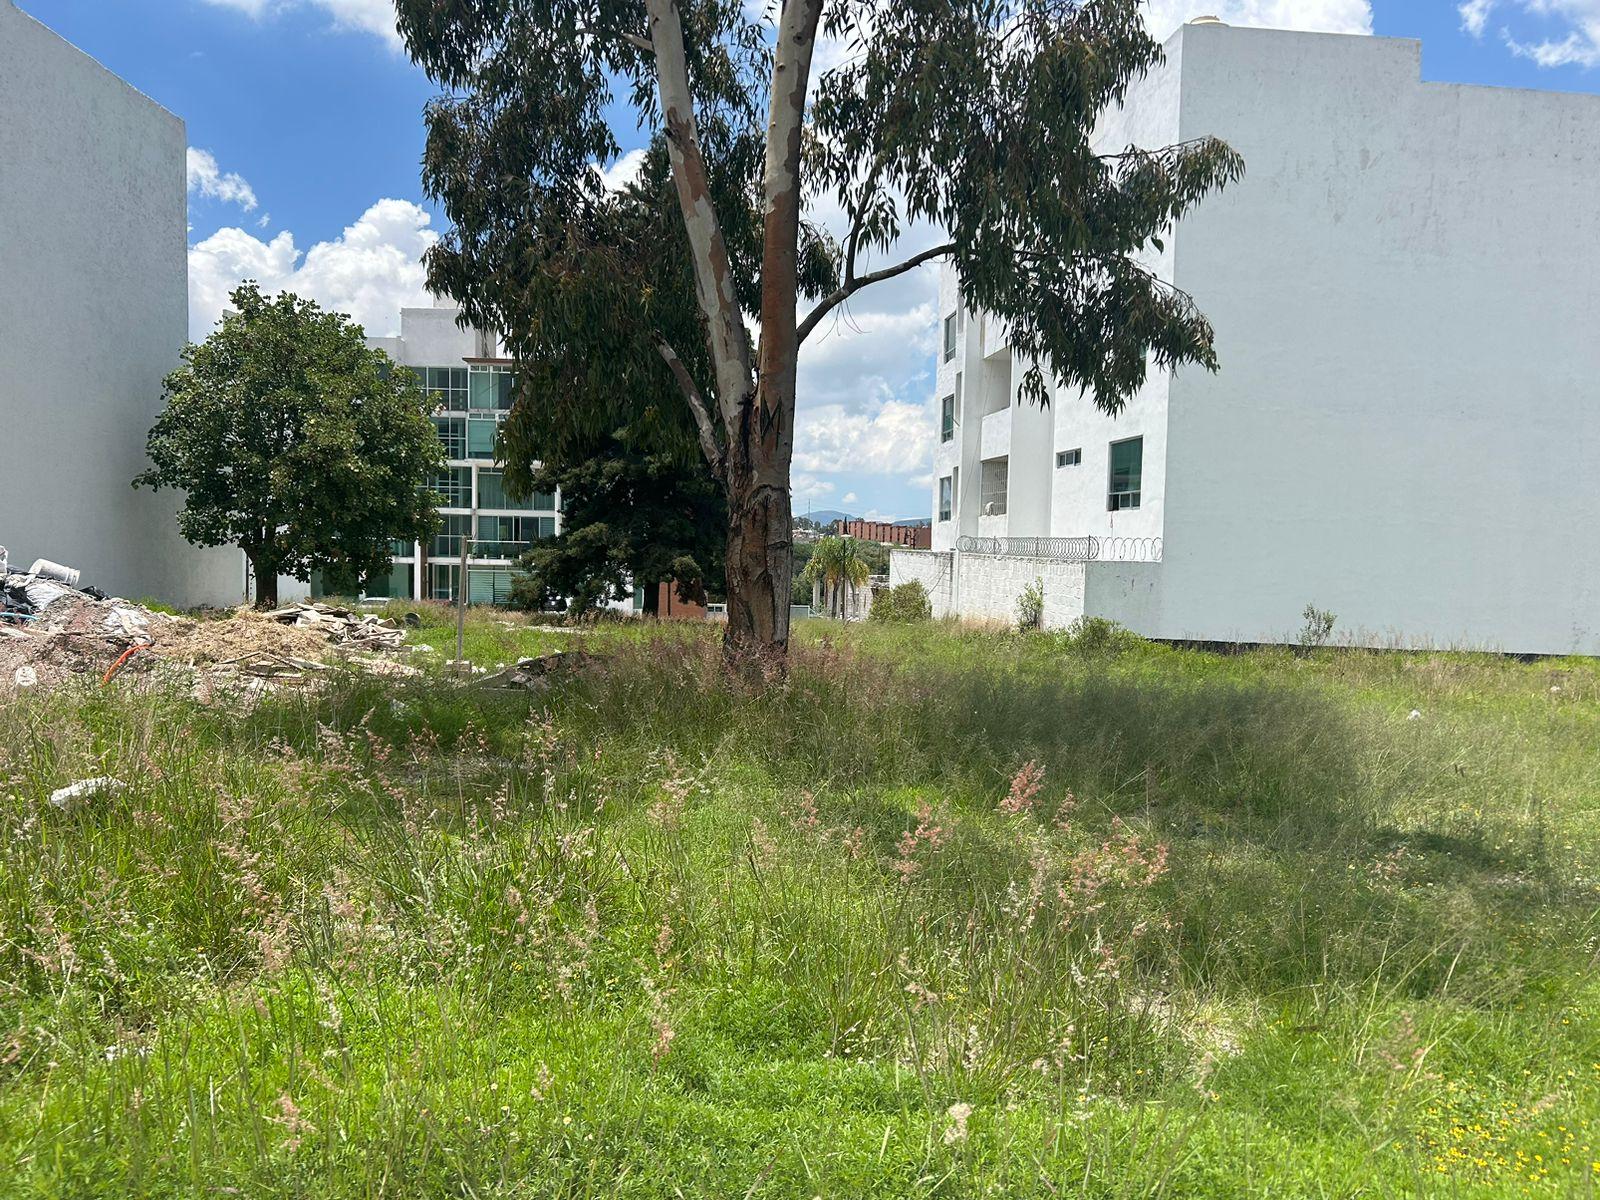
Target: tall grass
x,y
948,914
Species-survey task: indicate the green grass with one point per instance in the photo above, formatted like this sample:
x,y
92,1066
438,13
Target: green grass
x,y
1257,933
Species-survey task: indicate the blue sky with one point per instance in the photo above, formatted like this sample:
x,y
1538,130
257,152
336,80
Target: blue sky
x,y
305,128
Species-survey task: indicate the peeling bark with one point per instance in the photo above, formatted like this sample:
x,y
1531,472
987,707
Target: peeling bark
x,y
757,401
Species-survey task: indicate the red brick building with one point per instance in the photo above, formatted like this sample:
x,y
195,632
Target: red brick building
x,y
913,537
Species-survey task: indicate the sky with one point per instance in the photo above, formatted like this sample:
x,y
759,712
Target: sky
x,y
305,132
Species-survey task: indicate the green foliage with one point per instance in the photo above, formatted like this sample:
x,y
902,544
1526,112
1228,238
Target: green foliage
x,y
1318,627
1030,606
1232,923
629,518
839,562
905,603
975,117
290,438
1097,635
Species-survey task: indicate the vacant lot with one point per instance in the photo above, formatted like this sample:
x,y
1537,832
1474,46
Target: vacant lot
x,y
950,914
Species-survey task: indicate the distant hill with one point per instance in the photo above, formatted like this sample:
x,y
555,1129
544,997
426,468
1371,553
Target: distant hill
x,y
827,516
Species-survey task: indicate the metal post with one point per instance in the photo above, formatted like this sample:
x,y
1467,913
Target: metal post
x,y
461,602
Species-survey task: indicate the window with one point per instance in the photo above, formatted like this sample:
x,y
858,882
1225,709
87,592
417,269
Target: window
x,y
506,537
1069,458
446,387
945,497
952,327
490,389
1127,469
453,434
447,542
455,485
947,418
481,432
442,580
393,584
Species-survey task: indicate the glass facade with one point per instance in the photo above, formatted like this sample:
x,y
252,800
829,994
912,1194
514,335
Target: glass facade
x,y
446,387
470,403
455,485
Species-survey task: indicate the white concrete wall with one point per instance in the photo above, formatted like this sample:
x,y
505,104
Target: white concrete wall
x,y
93,314
1406,295
930,568
1078,494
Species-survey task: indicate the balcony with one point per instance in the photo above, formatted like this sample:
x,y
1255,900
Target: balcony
x,y
994,441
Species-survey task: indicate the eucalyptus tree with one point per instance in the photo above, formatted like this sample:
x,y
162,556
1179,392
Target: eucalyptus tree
x,y
972,116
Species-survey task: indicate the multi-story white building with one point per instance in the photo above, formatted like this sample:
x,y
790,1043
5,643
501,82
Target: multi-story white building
x,y
470,381
1405,288
93,314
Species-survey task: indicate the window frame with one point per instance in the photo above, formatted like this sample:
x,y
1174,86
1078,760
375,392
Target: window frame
x,y
947,418
1127,498
947,497
1069,458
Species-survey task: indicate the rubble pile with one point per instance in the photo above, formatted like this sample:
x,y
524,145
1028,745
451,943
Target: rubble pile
x,y
343,626
52,630
536,674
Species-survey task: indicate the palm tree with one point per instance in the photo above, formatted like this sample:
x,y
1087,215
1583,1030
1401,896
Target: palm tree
x,y
837,561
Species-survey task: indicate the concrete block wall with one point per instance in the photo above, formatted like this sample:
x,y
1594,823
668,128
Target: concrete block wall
x,y
988,587
931,568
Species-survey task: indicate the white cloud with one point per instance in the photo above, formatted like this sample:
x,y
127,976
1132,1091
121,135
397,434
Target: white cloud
x,y
1575,40
372,270
893,438
363,16
209,180
848,498
1475,15
1321,16
1558,33
622,172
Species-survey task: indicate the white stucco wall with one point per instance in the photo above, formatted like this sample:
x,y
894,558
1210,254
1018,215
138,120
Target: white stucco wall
x,y
93,314
1406,295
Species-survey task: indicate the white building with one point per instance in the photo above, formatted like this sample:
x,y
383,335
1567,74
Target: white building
x,y
93,314
466,373
1405,289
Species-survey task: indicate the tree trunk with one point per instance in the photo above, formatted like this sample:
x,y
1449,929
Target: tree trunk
x,y
266,584
760,564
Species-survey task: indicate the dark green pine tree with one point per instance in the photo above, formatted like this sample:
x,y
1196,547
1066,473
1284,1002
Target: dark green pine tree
x,y
975,116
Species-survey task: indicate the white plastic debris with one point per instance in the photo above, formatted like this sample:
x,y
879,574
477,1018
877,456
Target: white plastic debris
x,y
1414,715
85,789
26,676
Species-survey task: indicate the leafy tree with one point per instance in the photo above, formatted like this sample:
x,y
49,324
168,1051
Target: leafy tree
x,y
292,439
838,561
973,115
628,518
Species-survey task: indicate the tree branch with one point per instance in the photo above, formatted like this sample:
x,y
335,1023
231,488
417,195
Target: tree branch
x,y
713,270
853,241
832,301
697,405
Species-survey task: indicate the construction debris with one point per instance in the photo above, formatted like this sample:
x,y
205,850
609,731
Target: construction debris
x,y
85,789
342,625
52,631
536,674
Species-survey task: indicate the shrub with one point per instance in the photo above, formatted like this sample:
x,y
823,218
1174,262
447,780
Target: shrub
x,y
1030,606
1097,635
1317,629
905,604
